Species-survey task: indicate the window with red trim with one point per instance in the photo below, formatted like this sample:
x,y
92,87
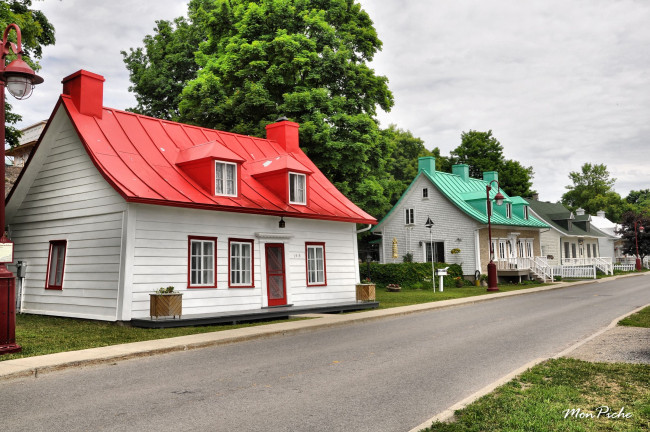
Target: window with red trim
x,y
202,254
55,265
240,263
316,264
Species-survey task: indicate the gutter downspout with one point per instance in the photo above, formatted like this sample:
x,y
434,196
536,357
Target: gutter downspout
x,y
368,228
477,249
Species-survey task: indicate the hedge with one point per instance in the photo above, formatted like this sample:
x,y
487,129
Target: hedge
x,y
404,273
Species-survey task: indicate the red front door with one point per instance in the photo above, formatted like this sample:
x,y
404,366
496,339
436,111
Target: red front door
x,y
275,280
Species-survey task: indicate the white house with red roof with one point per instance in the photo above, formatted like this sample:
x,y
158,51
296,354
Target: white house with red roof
x,y
113,205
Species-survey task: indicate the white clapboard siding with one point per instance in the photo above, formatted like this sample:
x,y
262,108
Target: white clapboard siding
x,y
62,196
450,224
160,258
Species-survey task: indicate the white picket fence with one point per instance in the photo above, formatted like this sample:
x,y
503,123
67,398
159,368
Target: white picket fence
x,y
575,272
625,267
604,264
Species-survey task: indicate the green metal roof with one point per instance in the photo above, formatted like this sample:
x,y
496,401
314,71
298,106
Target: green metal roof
x,y
469,195
555,214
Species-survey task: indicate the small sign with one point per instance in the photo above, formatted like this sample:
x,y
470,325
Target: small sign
x,y
6,252
442,272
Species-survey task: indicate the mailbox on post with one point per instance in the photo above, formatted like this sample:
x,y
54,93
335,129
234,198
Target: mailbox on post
x,y
442,272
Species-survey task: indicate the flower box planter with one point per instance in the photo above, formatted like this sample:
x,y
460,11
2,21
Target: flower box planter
x,y
163,305
366,292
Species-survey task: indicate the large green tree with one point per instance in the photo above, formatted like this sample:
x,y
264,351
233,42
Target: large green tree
x,y
483,152
36,32
593,190
404,150
258,60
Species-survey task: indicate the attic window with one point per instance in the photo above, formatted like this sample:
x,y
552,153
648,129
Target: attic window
x,y
225,174
508,210
425,193
297,188
526,212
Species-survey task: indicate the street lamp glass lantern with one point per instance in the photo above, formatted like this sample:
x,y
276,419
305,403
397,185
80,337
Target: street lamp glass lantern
x,y
20,79
499,198
20,87
641,229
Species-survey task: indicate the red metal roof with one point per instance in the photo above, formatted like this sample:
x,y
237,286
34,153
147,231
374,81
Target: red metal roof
x,y
141,157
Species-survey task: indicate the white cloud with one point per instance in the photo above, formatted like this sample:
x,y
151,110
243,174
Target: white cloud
x,y
559,83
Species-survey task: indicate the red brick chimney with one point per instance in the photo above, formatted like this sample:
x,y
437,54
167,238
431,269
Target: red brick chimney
x,y
87,92
285,133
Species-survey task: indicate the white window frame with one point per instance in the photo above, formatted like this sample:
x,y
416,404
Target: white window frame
x,y
508,210
316,264
221,182
409,216
297,188
240,272
202,265
526,212
425,193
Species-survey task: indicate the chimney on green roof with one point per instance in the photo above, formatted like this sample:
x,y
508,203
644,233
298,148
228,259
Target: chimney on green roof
x,y
488,176
461,170
427,164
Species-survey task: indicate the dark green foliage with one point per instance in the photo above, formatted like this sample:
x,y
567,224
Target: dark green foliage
x,y
408,274
592,190
36,32
255,61
629,229
483,152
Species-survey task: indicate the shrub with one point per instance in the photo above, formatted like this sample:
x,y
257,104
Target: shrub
x,y
408,274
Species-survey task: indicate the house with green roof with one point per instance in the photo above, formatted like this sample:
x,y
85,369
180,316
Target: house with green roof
x,y
572,239
457,206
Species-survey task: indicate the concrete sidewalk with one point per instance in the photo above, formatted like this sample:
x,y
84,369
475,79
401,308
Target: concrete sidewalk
x,y
32,366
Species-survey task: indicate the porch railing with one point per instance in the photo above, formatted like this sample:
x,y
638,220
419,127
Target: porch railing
x,y
517,263
542,269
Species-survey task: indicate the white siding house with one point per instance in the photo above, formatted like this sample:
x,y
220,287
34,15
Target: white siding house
x,y
113,205
457,206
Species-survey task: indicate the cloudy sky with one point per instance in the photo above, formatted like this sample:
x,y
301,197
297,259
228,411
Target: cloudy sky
x,y
558,82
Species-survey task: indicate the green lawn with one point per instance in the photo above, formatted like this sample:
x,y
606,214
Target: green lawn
x,y
639,319
563,395
39,335
408,297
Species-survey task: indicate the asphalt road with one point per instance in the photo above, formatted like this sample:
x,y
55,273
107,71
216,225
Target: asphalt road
x,y
385,375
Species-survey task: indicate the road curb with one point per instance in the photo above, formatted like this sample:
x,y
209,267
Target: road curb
x,y
33,366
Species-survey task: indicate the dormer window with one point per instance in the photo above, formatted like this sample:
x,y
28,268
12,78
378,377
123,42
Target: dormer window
x,y
225,174
297,188
526,212
508,210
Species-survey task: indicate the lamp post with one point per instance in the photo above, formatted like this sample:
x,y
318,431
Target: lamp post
x,y
636,239
491,267
20,80
429,224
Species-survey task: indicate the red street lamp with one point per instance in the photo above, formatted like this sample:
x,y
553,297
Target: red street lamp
x,y
636,238
491,267
20,80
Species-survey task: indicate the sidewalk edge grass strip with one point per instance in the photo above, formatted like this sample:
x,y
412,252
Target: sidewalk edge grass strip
x,y
562,394
40,335
639,319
